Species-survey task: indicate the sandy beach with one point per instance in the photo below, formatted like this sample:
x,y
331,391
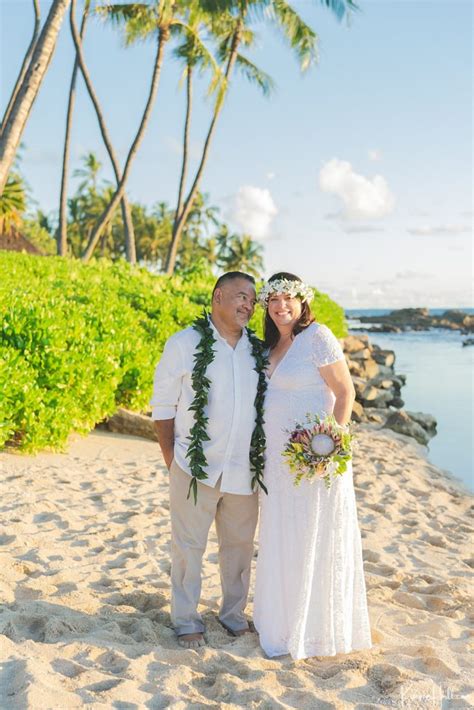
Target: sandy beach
x,y
84,577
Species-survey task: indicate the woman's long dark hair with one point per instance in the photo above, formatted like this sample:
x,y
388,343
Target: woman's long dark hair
x,y
271,335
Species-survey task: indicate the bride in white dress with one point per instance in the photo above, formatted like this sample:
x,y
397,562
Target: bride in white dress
x,y
310,597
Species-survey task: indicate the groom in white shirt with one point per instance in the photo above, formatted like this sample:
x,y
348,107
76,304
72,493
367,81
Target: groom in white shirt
x,y
225,495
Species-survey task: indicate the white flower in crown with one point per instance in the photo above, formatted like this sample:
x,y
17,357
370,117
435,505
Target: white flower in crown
x,y
295,289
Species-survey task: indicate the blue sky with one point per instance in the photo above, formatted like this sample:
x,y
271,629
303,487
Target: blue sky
x,y
357,176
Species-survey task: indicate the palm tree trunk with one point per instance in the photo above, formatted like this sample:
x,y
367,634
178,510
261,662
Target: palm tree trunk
x,y
184,165
29,89
130,248
24,66
180,221
62,229
163,37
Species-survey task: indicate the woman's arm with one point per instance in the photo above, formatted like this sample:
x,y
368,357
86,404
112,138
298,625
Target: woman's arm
x,y
338,379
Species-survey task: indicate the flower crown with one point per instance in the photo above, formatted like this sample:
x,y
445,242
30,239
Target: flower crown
x,y
287,286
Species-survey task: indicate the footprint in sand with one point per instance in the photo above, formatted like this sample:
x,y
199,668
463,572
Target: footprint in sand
x,y
386,677
382,570
113,662
370,556
103,685
435,540
434,666
121,560
69,669
11,632
410,600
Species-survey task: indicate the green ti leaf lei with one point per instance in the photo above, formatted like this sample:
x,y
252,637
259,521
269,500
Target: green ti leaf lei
x,y
200,382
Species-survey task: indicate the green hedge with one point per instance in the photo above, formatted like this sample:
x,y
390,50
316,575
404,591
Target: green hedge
x,y
77,340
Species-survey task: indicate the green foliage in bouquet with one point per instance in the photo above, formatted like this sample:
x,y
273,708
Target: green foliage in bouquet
x,y
78,341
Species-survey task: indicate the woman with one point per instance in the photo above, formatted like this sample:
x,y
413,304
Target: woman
x,y
310,595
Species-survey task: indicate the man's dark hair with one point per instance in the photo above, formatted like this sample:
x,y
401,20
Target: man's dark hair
x,y
230,276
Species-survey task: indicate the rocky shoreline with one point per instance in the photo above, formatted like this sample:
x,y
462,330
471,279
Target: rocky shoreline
x,y
378,391
405,319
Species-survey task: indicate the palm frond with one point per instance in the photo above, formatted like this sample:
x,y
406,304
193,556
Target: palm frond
x,y
196,54
139,21
303,40
12,203
255,75
340,7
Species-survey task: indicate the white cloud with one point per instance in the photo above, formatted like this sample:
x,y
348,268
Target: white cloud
x,y
253,210
428,230
363,198
375,155
270,176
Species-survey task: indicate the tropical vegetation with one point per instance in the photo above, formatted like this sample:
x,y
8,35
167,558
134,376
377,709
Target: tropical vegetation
x,y
79,340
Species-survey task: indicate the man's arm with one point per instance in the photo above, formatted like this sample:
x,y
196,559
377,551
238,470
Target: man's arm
x,y
164,429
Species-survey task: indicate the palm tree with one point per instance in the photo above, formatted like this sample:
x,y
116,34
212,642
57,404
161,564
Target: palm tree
x,y
130,248
232,30
25,64
62,228
89,172
12,203
85,207
196,56
239,253
139,18
29,88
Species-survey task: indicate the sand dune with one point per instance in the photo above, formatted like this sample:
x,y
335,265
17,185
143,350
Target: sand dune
x,y
84,574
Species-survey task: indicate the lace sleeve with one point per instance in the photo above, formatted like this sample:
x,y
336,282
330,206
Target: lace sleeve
x,y
326,347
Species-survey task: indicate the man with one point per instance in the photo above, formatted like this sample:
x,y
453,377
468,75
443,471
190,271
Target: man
x,y
224,492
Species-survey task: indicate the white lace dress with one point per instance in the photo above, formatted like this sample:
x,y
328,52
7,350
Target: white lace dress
x,y
310,597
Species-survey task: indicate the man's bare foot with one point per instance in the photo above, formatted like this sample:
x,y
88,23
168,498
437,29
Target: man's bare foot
x,y
191,640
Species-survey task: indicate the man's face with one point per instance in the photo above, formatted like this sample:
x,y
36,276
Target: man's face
x,y
234,302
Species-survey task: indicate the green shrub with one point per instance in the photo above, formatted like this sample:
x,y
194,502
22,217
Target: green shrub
x,y
77,341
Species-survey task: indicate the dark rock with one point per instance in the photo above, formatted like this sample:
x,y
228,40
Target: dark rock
x,y
377,398
364,354
427,421
420,319
369,369
351,344
378,416
359,384
401,423
384,357
357,412
125,422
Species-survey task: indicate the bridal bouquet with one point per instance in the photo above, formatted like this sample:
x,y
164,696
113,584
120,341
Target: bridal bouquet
x,y
319,448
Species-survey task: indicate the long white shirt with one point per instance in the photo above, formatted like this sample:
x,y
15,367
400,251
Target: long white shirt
x,y
231,406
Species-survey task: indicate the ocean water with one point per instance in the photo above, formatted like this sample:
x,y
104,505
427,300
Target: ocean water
x,y
440,382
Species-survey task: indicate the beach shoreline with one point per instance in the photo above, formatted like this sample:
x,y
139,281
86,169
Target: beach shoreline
x,y
85,576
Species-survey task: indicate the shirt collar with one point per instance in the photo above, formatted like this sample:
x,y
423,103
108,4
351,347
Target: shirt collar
x,y
242,342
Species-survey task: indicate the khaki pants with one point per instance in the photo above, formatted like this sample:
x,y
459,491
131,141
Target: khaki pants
x,y
236,520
